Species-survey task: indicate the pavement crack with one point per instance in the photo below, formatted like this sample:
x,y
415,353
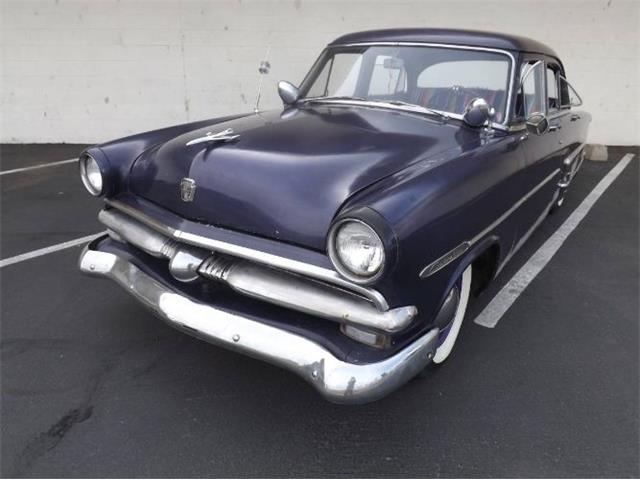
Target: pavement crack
x,y
49,440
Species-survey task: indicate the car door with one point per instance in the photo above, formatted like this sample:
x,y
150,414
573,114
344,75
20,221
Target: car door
x,y
563,122
543,150
575,123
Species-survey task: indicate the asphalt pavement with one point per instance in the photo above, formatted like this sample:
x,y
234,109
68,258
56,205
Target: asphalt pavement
x,y
94,385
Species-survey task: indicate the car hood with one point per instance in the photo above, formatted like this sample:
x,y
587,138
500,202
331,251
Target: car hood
x,y
288,173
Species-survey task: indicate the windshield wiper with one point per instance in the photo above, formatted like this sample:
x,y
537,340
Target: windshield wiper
x,y
412,107
417,108
339,97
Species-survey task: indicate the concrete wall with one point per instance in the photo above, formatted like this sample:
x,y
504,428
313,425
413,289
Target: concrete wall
x,y
88,71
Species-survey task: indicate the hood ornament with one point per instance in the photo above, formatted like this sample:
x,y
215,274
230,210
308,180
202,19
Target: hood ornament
x,y
223,136
187,189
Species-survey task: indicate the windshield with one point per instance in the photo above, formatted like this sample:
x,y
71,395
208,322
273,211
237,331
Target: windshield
x,y
437,78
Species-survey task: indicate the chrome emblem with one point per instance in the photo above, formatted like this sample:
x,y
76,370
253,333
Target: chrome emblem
x,y
223,136
187,189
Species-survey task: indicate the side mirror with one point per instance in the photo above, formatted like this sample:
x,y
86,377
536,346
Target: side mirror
x,y
288,93
537,123
478,113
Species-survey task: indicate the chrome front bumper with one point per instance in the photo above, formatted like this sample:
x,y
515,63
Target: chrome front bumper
x,y
277,286
338,381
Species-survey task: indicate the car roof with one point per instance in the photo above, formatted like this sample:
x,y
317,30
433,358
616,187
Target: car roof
x,y
473,38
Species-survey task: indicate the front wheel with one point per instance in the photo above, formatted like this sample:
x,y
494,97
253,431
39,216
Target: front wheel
x,y
449,334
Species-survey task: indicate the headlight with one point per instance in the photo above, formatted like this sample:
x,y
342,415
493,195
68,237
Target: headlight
x,y
91,175
356,250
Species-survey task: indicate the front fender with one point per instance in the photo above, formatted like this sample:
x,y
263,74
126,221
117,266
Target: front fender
x,y
436,206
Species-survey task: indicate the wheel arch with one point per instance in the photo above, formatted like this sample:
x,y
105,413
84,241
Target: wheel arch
x,y
484,257
485,266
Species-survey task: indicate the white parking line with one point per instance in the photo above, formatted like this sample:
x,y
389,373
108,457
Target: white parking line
x,y
42,165
43,251
493,312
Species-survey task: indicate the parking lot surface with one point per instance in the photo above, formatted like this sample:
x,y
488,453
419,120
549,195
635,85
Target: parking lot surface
x,y
94,385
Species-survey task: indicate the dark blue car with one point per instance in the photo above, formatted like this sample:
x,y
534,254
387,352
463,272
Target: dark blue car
x,y
342,236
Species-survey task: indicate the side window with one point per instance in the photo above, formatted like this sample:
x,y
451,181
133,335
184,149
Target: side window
x,y
388,76
553,99
531,97
568,96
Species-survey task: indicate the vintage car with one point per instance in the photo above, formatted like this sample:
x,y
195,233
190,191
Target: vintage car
x,y
341,236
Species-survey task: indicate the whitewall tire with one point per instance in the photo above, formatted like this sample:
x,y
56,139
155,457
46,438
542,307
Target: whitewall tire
x,y
444,350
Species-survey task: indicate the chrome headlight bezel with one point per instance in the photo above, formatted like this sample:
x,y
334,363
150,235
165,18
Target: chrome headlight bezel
x,y
336,260
94,190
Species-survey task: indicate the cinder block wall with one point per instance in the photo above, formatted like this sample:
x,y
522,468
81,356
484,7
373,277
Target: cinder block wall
x,y
88,71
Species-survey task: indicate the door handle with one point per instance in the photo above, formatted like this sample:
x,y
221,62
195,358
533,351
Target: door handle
x,y
575,117
553,128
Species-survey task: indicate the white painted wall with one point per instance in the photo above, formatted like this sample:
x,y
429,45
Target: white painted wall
x,y
89,71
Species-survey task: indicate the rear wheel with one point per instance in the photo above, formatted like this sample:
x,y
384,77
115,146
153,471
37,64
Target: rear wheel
x,y
449,333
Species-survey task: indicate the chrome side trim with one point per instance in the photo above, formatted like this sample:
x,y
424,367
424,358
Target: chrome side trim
x,y
444,260
336,380
571,166
567,161
313,271
507,116
515,206
428,270
527,234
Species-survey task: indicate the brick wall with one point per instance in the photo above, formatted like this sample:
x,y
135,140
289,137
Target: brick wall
x,y
88,71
